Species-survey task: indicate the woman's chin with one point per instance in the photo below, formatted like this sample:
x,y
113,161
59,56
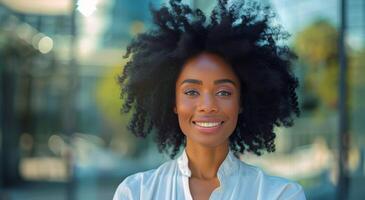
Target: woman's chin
x,y
208,143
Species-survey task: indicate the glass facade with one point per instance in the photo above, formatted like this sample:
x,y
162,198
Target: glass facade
x,y
61,131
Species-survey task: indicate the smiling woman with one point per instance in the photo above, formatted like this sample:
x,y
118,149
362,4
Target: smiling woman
x,y
215,88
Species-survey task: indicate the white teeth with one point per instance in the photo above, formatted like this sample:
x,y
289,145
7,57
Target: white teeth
x,y
207,124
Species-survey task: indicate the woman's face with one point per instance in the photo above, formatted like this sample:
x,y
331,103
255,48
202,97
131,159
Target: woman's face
x,y
207,100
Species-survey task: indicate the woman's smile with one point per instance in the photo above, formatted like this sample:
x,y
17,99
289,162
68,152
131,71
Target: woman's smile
x,y
207,124
208,127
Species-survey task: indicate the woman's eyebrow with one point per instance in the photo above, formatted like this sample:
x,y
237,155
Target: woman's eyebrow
x,y
220,81
194,81
199,82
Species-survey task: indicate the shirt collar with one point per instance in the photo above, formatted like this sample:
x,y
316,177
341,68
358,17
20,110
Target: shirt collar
x,y
229,165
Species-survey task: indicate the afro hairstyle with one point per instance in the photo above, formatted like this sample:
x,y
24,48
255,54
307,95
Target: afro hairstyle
x,y
243,34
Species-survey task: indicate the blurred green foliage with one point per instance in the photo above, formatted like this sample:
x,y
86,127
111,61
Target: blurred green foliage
x,y
108,99
317,48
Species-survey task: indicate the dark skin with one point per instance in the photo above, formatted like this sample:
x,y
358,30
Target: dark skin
x,y
202,183
207,105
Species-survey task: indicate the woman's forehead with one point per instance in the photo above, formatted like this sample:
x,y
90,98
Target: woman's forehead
x,y
207,66
206,60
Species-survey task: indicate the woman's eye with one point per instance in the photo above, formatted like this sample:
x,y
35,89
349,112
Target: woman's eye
x,y
224,93
191,93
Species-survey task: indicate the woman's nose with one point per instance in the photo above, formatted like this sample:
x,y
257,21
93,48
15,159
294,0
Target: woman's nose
x,y
207,103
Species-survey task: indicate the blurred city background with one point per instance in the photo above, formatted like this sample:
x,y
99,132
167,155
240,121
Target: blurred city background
x,y
61,133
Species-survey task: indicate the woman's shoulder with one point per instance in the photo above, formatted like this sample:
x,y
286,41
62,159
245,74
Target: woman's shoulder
x,y
131,186
280,187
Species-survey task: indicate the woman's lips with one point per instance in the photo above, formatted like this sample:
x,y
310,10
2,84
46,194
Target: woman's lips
x,y
208,126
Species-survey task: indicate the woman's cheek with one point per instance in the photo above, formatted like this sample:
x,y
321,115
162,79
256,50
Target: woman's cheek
x,y
185,106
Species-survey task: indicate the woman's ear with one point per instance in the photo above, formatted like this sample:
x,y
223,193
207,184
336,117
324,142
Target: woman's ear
x,y
175,110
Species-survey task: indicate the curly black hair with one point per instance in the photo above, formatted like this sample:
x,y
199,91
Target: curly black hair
x,y
245,37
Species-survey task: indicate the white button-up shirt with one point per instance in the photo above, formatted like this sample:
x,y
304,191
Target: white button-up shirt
x,y
238,180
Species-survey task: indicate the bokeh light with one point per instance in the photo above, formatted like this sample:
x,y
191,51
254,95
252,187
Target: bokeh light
x,y
86,7
45,44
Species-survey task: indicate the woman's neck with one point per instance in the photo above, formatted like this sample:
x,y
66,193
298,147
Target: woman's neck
x,y
204,162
